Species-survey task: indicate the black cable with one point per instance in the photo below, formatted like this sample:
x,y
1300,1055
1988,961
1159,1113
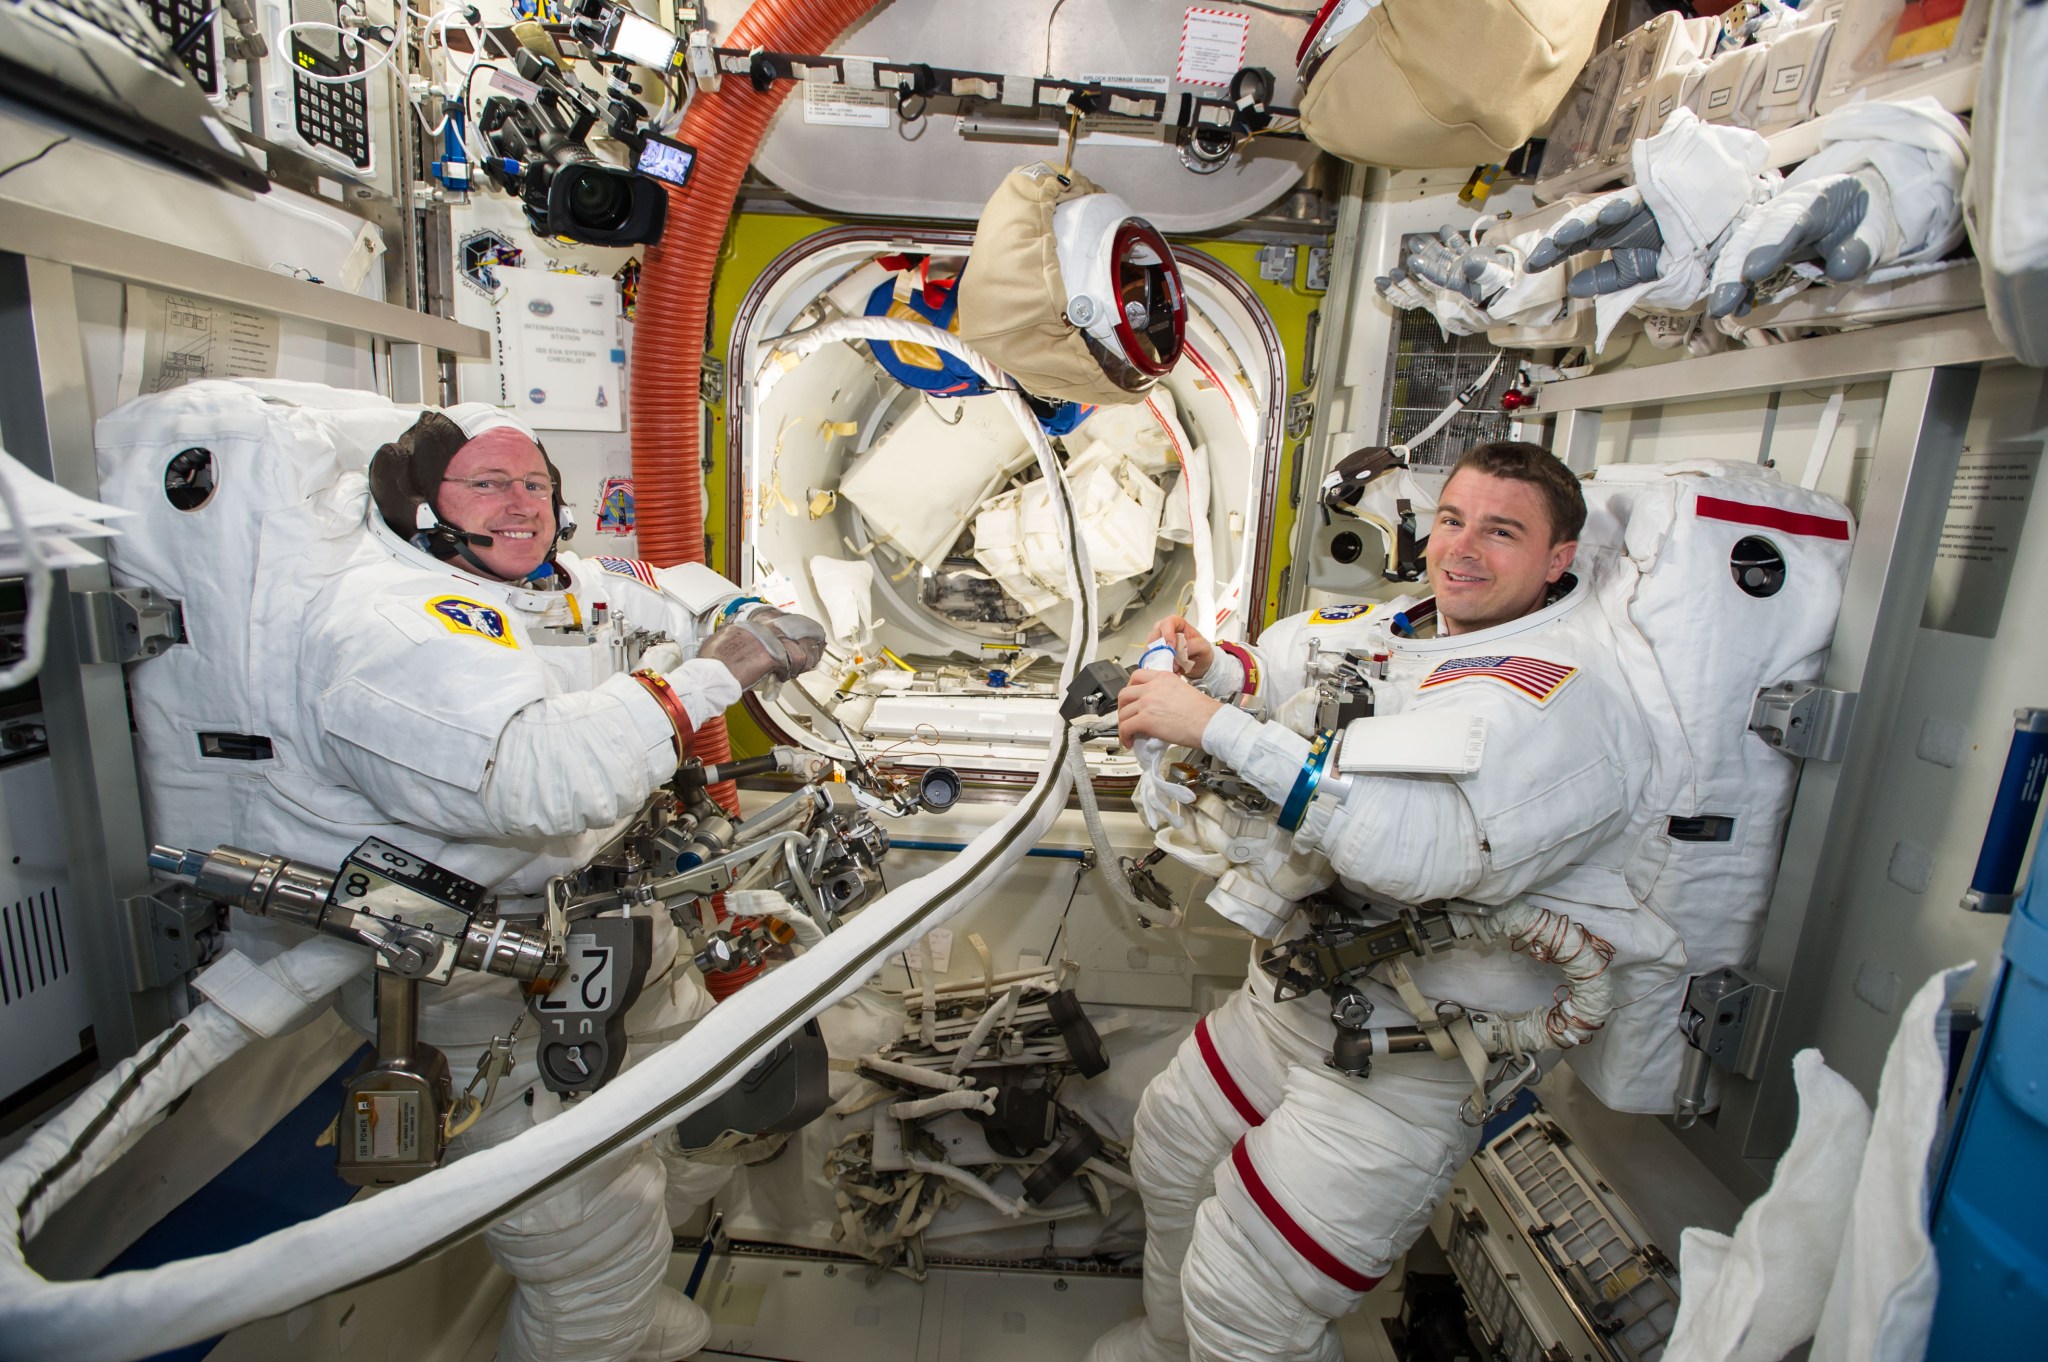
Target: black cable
x,y
189,39
31,160
1080,869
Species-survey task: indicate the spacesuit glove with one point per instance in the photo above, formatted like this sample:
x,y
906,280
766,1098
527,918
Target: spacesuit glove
x,y
1160,800
1619,223
1843,221
1454,263
1456,315
766,644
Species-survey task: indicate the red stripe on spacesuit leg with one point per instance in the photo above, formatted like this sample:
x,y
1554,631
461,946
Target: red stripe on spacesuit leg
x,y
1299,1239
1772,518
1221,1073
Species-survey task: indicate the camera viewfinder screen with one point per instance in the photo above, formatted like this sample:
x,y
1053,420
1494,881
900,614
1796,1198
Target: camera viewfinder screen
x,y
667,160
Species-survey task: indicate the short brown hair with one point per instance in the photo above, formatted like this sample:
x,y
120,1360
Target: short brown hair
x,y
1537,466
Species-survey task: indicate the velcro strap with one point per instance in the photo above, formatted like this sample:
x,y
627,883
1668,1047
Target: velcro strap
x,y
255,998
1421,1008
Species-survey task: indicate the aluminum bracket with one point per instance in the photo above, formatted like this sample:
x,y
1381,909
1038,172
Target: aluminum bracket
x,y
1804,720
126,624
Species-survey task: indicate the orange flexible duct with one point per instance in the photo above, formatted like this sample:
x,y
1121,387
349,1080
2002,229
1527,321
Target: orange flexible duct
x,y
672,324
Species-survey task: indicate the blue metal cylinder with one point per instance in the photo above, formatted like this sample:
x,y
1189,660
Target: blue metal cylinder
x,y
2012,815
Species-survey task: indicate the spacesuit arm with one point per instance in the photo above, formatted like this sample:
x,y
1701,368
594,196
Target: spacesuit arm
x,y
1549,791
471,745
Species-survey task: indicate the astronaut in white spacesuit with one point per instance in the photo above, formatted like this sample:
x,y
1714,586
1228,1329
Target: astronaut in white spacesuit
x,y
1277,1189
463,692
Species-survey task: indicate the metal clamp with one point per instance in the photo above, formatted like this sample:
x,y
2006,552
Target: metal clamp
x,y
1801,719
1301,414
126,625
1725,1019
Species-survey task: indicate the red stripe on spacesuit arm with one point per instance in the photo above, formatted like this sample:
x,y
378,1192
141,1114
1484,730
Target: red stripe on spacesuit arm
x,y
1218,1071
1771,518
1299,1239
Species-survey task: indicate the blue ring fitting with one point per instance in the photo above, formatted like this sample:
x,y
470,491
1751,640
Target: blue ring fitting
x,y
1304,792
734,606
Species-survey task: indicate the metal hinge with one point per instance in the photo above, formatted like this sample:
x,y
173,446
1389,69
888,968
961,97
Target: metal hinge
x,y
1801,719
711,381
127,624
177,933
1301,414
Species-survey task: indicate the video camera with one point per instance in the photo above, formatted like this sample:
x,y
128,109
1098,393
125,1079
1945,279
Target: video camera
x,y
540,150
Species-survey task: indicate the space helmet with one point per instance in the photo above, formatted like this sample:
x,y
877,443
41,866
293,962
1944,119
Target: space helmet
x,y
406,474
1069,291
1415,84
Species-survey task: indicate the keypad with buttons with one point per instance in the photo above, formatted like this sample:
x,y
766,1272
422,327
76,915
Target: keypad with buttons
x,y
110,17
333,114
175,18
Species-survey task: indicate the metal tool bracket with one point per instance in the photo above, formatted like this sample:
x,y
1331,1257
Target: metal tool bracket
x,y
176,933
126,624
1804,720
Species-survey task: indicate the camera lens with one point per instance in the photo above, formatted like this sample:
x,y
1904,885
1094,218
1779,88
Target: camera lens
x,y
599,199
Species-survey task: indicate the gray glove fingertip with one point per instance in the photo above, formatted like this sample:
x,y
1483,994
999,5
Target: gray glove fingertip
x,y
1726,299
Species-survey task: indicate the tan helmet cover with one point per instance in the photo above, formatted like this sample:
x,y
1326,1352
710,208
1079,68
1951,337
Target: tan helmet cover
x,y
1427,83
1013,302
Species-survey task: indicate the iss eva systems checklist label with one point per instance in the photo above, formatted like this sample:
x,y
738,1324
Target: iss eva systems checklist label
x,y
1212,46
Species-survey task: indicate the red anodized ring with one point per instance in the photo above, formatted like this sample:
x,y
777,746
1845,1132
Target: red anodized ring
x,y
1133,232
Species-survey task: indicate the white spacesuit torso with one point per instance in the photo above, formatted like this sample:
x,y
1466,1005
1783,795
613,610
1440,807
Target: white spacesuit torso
x,y
1547,815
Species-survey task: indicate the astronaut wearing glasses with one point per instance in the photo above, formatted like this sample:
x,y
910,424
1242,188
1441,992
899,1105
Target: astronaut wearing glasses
x,y
468,690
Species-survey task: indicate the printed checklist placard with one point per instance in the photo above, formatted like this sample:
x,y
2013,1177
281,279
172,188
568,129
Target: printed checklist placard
x,y
1212,46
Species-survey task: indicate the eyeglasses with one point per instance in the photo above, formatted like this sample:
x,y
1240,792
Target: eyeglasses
x,y
498,487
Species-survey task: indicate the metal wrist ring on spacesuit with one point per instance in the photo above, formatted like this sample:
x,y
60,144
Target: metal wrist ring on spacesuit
x,y
1304,792
672,705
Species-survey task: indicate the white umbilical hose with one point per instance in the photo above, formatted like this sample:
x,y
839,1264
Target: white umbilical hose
x,y
1589,985
129,1315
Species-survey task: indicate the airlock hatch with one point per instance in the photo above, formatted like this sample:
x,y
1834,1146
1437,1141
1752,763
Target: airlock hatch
x,y
915,524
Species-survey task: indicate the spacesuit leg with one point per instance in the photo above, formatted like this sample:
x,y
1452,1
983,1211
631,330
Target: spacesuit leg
x,y
1317,1203
1220,1082
588,1258
586,1261
665,1012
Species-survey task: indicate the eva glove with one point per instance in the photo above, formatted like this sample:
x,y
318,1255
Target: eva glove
x,y
663,657
1884,190
1620,223
766,644
1449,278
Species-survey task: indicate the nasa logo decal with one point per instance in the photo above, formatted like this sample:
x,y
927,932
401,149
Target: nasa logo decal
x,y
464,616
540,307
1337,614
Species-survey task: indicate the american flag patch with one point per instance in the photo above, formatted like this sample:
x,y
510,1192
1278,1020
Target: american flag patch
x,y
628,567
1532,676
